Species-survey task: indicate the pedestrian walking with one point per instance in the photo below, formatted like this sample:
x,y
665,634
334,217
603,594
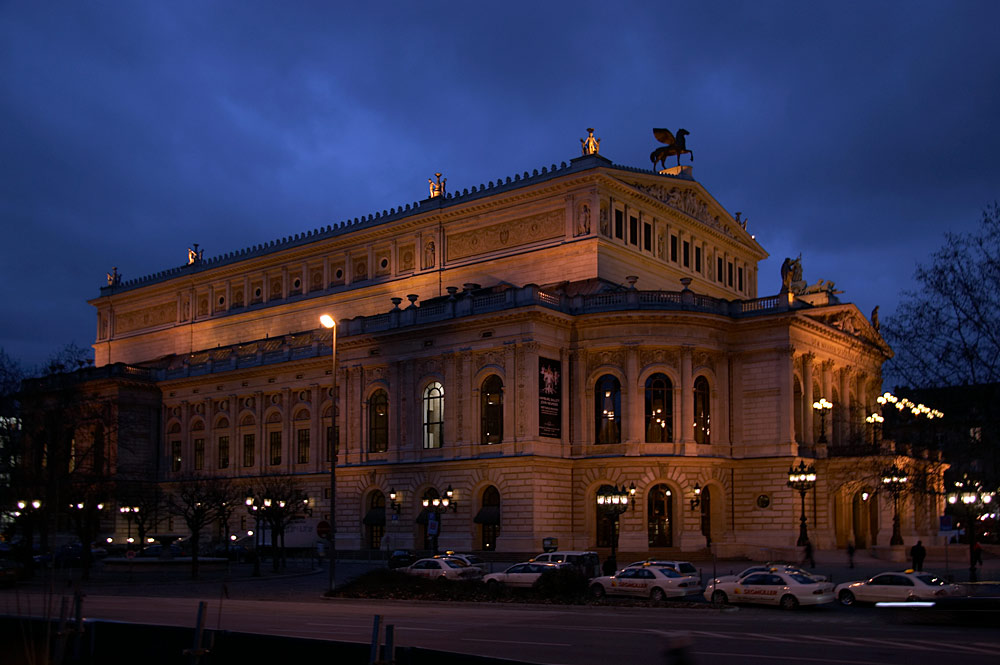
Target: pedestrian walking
x,y
807,554
918,553
977,554
850,554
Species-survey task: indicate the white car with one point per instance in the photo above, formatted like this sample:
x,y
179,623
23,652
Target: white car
x,y
445,567
895,587
764,568
468,559
682,567
650,581
774,587
520,574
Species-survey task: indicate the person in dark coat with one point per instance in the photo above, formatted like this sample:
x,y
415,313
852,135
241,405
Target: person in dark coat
x,y
918,553
807,554
850,554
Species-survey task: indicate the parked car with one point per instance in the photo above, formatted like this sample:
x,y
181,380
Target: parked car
x,y
766,567
231,551
156,551
587,562
447,568
682,567
648,581
907,585
776,587
520,574
401,559
470,559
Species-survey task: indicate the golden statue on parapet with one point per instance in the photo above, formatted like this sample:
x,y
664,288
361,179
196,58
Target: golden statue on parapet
x,y
437,188
590,145
674,146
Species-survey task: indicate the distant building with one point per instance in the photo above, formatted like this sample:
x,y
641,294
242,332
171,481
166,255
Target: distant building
x,y
525,343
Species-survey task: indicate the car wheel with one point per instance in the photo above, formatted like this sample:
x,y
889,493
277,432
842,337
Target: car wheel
x,y
720,598
789,602
597,591
493,586
846,598
657,595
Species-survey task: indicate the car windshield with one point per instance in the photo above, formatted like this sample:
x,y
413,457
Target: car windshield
x,y
931,580
800,578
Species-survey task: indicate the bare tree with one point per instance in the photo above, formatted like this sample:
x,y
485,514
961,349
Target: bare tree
x,y
948,332
198,502
283,505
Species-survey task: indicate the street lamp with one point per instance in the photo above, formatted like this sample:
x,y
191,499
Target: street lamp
x,y
614,501
130,513
977,502
822,406
802,479
875,420
396,506
894,480
329,323
437,506
255,508
696,499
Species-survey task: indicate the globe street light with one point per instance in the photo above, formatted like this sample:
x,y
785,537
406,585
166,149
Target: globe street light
x,y
894,480
437,505
977,503
822,406
255,508
130,513
802,479
614,501
329,323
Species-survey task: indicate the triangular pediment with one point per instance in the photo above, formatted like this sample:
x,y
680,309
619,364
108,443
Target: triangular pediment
x,y
847,319
691,200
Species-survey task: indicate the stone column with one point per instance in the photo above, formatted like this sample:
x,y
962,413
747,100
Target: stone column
x,y
510,416
842,409
565,396
786,425
632,398
720,432
686,431
808,431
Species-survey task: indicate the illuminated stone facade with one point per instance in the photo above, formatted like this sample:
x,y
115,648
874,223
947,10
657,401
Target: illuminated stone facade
x,y
525,343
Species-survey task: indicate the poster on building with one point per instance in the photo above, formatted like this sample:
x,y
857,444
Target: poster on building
x,y
549,398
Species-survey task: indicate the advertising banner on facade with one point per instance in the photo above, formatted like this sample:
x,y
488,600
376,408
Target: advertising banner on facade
x,y
549,398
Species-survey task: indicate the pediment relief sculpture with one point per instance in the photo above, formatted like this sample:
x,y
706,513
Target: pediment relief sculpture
x,y
686,201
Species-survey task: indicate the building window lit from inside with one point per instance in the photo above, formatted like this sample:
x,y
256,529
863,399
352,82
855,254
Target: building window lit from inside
x,y
274,447
607,410
375,520
175,456
302,441
199,454
433,415
660,516
248,450
378,422
659,409
702,415
491,406
489,518
223,452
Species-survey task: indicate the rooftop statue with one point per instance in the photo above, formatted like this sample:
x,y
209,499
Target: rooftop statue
x,y
673,146
591,146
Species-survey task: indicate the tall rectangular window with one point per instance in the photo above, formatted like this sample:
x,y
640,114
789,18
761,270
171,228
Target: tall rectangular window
x,y
633,230
687,254
332,442
619,224
647,237
175,455
302,439
673,248
274,447
248,450
223,452
730,273
739,275
718,272
697,259
199,454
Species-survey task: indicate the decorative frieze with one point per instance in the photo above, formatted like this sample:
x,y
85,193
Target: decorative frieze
x,y
686,201
666,357
614,357
544,226
148,317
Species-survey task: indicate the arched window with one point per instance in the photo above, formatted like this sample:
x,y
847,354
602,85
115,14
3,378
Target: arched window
x,y
378,422
702,414
433,415
660,517
375,520
489,518
607,410
659,409
491,409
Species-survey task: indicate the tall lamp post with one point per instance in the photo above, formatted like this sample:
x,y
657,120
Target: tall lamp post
x,y
802,479
822,407
976,502
129,512
614,501
330,324
255,507
28,509
894,481
437,506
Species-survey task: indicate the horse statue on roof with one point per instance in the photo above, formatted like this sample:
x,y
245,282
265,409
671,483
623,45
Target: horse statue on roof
x,y
673,146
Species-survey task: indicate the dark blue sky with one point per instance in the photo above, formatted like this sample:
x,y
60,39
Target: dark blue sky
x,y
854,133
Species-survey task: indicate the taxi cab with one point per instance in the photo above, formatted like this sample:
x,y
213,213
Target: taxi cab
x,y
907,585
786,589
654,582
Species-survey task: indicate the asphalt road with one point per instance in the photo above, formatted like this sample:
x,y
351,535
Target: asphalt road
x,y
569,635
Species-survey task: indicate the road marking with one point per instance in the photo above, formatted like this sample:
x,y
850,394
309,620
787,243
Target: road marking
x,y
798,659
540,644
